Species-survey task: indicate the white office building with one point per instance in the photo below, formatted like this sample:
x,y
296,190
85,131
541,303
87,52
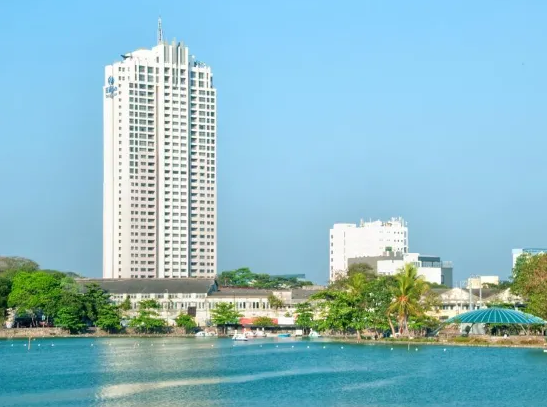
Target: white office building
x,y
160,189
368,239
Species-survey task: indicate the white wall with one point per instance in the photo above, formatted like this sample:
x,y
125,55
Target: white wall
x,y
348,240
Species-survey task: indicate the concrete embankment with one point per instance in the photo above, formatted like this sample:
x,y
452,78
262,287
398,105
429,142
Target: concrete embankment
x,y
92,333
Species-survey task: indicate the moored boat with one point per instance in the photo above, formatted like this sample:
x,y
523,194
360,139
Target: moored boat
x,y
239,337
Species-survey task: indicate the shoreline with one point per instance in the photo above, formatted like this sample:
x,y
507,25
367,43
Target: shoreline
x,y
350,341
437,343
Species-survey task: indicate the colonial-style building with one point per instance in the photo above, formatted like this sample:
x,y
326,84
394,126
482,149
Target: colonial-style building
x,y
197,297
457,301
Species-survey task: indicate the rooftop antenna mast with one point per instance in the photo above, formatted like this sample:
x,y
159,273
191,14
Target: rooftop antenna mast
x,y
160,32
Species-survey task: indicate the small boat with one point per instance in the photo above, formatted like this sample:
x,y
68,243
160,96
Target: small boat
x,y
283,335
239,337
314,334
202,334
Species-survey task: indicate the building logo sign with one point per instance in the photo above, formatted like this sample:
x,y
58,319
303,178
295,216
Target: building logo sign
x,y
111,90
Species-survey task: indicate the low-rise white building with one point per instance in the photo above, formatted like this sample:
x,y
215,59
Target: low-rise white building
x,y
348,240
432,268
197,297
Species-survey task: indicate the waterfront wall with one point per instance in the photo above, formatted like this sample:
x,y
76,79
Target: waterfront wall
x,y
92,332
32,332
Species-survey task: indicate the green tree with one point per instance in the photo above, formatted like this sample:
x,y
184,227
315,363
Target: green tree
x,y
185,321
408,292
275,302
70,319
530,282
149,305
377,300
126,304
304,317
5,288
109,318
241,277
224,314
244,277
94,299
264,322
35,293
362,268
338,311
17,264
147,322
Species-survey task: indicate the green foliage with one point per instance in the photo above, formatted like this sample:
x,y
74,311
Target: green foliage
x,y
409,295
361,272
17,264
361,268
70,319
377,298
263,321
340,311
185,321
36,293
5,288
95,299
241,277
244,277
304,316
149,305
275,302
435,285
225,314
530,282
109,318
362,301
126,304
506,305
148,322
46,296
503,285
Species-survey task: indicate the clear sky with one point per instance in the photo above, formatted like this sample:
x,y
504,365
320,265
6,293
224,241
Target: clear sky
x,y
328,112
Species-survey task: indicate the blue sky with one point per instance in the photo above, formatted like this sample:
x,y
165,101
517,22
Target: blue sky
x,y
328,112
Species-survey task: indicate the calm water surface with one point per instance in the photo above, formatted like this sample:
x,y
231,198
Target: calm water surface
x,y
268,372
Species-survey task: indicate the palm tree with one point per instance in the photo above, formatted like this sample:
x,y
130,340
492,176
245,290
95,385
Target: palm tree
x,y
407,294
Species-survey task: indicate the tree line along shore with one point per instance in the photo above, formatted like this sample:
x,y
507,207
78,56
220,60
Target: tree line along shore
x,y
359,304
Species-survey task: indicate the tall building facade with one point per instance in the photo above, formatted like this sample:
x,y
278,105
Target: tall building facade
x,y
348,240
160,191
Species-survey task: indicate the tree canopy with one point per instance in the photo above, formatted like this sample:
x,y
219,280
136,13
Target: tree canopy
x,y
50,297
264,322
185,321
244,277
224,314
363,301
530,282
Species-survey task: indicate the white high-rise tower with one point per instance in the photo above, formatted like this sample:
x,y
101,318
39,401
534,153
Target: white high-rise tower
x,y
159,214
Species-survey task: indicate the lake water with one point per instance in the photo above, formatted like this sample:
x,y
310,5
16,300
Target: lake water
x,y
267,372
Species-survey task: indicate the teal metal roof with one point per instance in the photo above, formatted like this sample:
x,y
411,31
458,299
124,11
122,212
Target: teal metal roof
x,y
496,316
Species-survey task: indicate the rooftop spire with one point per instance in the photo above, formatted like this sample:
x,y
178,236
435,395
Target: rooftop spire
x,y
160,31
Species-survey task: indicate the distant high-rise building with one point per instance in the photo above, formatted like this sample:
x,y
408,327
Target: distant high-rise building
x,y
160,191
348,240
